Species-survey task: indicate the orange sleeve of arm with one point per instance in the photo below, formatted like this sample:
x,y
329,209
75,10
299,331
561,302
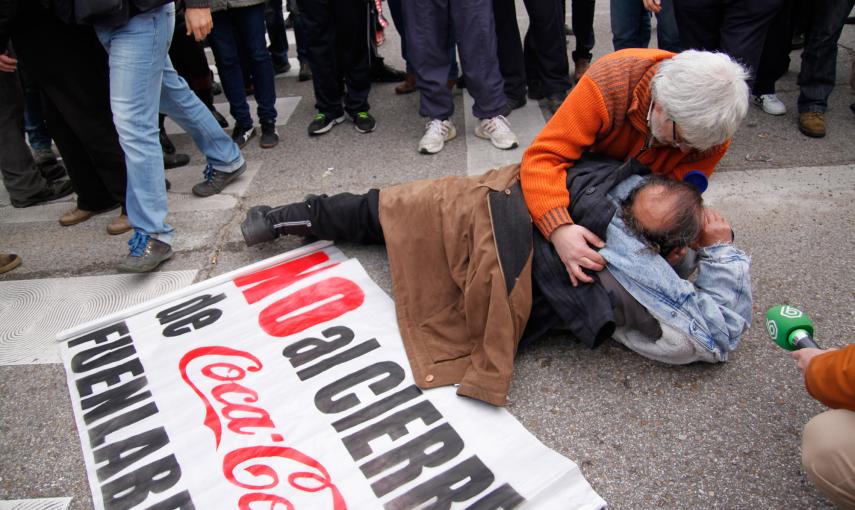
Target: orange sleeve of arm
x,y
705,162
543,174
830,378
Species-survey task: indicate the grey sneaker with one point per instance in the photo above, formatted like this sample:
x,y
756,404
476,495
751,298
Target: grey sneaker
x,y
216,181
146,253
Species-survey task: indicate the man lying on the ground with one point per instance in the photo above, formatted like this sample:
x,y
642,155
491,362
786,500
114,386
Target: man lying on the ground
x,y
471,277
672,112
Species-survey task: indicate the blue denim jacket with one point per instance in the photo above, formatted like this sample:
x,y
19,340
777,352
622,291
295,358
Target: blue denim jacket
x,y
713,312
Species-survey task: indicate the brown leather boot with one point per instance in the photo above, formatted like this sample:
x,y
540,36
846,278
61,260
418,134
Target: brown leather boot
x,y
581,65
812,124
408,86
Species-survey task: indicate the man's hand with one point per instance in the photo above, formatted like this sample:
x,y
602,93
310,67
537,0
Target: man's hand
x,y
198,21
653,5
804,356
572,244
714,229
8,64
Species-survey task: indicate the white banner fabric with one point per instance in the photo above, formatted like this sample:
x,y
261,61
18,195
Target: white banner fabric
x,y
289,388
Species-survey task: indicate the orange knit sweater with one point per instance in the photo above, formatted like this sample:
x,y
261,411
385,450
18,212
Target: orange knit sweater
x,y
830,378
606,113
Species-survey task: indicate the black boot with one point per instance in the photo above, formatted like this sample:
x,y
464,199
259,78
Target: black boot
x,y
264,223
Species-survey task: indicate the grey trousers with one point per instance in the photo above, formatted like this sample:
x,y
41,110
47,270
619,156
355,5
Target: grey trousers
x,y
20,174
428,23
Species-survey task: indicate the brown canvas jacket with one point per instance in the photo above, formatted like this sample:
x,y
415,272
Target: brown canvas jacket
x,y
461,314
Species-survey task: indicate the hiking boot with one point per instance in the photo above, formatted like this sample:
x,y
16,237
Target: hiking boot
x,y
281,67
269,135
498,131
437,132
241,134
216,181
52,191
364,122
305,73
581,65
44,157
409,85
146,253
8,262
769,103
119,225
812,124
322,123
175,160
76,215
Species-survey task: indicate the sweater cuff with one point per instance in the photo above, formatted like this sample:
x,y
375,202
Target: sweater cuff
x,y
197,4
552,220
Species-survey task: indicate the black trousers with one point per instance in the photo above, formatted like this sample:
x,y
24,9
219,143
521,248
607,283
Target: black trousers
x,y
338,49
189,60
542,60
343,217
70,66
775,59
736,27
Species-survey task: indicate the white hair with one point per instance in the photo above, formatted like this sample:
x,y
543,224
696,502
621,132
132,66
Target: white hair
x,y
705,93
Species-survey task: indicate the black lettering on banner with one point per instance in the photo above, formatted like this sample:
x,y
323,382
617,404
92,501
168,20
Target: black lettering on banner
x,y
98,433
342,357
394,426
460,483
131,489
415,454
100,336
325,398
182,316
102,355
180,501
310,349
122,454
110,376
503,498
377,408
114,399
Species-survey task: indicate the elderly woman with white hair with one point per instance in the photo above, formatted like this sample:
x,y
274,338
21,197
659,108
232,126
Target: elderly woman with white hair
x,y
672,112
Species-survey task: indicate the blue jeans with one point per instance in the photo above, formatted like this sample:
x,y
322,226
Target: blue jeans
x,y
34,120
240,32
819,58
631,25
142,83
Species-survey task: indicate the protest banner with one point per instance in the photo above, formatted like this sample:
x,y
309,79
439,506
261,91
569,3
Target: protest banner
x,y
285,385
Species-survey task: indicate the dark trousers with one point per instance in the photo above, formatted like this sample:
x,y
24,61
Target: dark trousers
x,y
240,32
343,217
582,12
20,175
189,60
275,21
736,27
71,69
338,49
428,24
541,62
775,59
819,58
631,25
396,9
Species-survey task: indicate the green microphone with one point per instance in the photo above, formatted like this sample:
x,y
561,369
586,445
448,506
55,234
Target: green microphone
x,y
790,327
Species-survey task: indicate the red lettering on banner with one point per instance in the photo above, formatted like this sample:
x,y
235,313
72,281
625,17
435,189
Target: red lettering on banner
x,y
267,281
324,301
226,367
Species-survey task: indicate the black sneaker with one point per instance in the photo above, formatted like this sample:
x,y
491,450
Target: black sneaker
x,y
281,67
52,172
322,123
175,160
514,103
52,191
269,136
241,134
165,143
146,253
364,122
383,73
305,73
216,181
216,88
219,117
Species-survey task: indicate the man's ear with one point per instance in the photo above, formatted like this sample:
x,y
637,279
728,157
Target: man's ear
x,y
676,255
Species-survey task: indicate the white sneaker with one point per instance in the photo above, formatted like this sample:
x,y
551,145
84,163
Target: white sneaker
x,y
770,104
437,132
498,131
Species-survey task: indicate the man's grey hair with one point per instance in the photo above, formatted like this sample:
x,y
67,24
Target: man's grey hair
x,y
705,93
